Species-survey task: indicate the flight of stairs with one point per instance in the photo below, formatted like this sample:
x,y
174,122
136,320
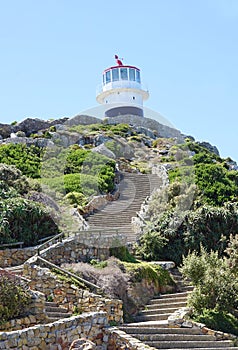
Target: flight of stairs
x,y
151,324
54,312
134,189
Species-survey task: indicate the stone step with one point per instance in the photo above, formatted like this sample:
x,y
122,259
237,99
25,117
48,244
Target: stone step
x,y
55,312
55,309
155,317
174,337
171,296
190,344
187,288
164,304
51,304
167,300
58,315
159,330
156,311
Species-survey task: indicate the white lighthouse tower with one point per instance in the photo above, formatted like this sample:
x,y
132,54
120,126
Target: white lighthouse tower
x,y
121,91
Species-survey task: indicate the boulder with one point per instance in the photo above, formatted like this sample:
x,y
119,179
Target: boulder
x,y
102,149
65,138
33,125
5,130
82,344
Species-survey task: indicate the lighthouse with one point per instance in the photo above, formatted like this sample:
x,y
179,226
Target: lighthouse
x,y
121,90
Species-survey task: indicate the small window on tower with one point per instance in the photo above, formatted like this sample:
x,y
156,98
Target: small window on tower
x,y
132,75
133,98
108,76
138,76
124,75
115,74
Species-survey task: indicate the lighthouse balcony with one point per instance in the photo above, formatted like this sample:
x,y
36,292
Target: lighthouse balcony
x,y
104,91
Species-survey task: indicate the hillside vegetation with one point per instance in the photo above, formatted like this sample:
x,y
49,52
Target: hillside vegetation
x,y
192,221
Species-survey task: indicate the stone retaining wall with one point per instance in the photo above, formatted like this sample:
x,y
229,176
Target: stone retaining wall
x,y
58,335
16,256
83,247
119,340
35,314
69,296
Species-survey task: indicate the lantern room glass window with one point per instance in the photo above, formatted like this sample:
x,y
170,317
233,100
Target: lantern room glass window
x,y
103,79
115,74
108,76
138,76
124,75
132,75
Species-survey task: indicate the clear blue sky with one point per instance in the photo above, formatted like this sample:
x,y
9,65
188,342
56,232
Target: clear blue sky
x,y
53,53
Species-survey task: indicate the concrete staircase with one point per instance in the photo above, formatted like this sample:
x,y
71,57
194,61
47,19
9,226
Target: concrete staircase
x,y
161,337
55,312
134,188
161,307
151,325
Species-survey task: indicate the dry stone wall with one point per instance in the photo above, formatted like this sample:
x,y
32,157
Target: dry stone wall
x,y
69,296
83,247
53,336
16,256
35,314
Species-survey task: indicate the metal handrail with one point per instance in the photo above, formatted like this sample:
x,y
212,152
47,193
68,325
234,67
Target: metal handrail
x,y
41,246
65,272
12,244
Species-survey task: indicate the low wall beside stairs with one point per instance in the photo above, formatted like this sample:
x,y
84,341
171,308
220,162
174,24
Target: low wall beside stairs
x,y
35,314
84,246
69,296
16,256
58,335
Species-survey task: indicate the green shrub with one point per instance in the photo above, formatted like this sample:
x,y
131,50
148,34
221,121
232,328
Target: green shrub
x,y
14,298
25,221
151,272
186,230
216,286
215,183
13,178
7,191
25,158
122,253
151,245
220,321
76,198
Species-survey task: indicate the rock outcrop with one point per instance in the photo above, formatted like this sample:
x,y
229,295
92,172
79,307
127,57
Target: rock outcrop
x,y
210,148
102,149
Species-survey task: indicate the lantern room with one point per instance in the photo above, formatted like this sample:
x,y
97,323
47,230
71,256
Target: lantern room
x,y
122,91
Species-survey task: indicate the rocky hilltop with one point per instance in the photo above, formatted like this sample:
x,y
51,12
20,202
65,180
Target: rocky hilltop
x,y
34,131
